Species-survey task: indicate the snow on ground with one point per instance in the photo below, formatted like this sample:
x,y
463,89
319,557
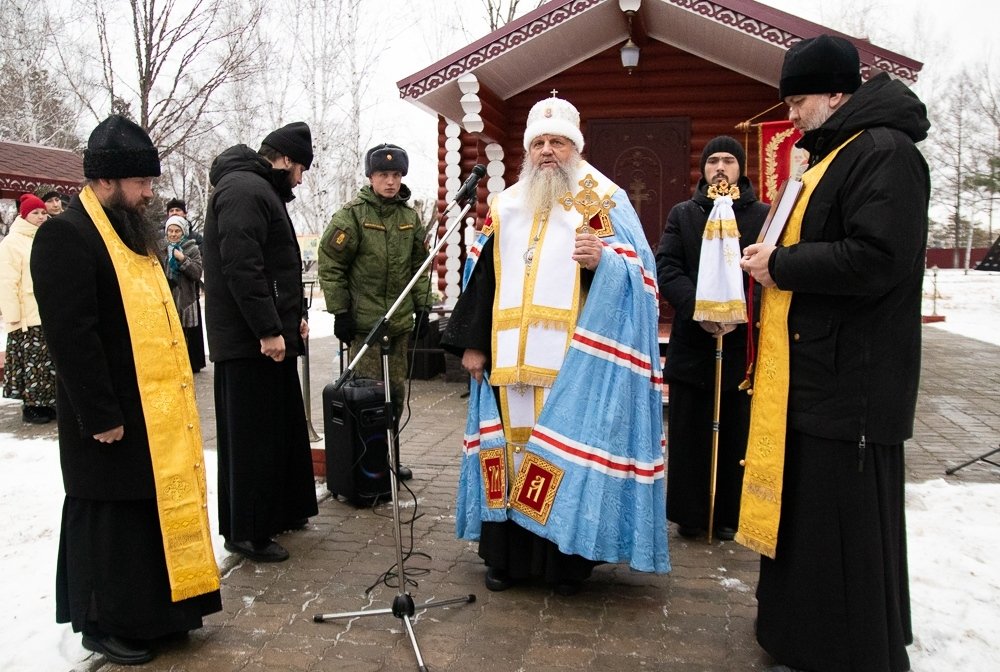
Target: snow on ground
x,y
953,531
968,300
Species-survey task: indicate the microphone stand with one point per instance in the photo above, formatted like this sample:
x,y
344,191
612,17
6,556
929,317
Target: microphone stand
x,y
402,605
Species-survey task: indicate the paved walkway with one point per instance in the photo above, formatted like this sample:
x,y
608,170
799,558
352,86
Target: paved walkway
x,y
697,618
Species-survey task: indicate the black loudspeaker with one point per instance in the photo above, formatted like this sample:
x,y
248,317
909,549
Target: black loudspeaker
x,y
354,423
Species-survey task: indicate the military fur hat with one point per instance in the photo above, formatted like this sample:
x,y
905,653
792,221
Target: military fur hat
x,y
387,157
823,64
119,148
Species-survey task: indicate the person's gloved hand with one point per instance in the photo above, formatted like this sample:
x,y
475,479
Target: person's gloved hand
x,y
421,322
343,327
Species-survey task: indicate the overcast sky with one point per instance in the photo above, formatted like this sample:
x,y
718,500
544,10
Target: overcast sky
x,y
944,34
413,34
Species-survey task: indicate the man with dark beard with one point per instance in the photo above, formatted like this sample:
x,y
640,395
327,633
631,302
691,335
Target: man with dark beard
x,y
823,491
135,553
256,326
690,368
563,460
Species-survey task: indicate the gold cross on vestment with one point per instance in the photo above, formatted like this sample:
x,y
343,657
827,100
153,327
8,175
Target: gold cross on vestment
x,y
589,204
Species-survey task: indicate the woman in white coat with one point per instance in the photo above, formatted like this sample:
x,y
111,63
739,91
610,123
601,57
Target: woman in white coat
x,y
28,371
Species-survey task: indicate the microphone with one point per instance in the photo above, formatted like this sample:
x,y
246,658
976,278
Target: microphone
x,y
469,188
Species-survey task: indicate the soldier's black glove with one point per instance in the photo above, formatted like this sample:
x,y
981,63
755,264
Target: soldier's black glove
x,y
421,323
343,327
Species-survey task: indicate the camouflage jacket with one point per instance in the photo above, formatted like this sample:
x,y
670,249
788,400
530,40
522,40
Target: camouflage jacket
x,y
367,255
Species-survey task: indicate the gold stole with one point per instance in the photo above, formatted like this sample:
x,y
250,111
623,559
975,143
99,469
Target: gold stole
x,y
760,507
166,389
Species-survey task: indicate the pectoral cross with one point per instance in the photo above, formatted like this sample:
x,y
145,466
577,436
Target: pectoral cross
x,y
588,203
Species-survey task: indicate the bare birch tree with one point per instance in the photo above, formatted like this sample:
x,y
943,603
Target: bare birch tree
x,y
33,107
183,54
953,156
333,65
500,13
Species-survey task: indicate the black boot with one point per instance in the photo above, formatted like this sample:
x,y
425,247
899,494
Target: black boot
x,y
402,473
117,650
36,415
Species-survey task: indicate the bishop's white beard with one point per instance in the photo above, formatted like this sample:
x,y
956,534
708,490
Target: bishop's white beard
x,y
545,186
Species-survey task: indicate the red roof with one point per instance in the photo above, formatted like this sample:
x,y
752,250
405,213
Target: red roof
x,y
25,167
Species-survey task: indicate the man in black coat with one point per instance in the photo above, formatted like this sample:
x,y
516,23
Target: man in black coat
x,y
840,338
690,368
256,326
128,422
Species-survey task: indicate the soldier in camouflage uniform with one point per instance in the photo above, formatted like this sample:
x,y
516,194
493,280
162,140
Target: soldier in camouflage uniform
x,y
367,255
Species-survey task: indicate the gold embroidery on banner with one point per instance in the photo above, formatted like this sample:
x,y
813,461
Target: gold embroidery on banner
x,y
726,228
535,488
771,163
723,188
726,311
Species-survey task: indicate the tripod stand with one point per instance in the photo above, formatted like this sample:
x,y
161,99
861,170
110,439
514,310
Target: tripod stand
x,y
982,458
402,605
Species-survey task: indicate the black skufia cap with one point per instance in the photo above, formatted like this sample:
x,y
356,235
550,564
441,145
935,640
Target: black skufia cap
x,y
823,64
119,148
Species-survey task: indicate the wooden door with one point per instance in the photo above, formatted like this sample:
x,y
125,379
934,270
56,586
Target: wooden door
x,y
649,159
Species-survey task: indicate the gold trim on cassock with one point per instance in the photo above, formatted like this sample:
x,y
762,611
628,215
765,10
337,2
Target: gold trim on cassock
x,y
760,505
166,391
527,314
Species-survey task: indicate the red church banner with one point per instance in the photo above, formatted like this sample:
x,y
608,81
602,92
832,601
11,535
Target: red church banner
x,y
780,159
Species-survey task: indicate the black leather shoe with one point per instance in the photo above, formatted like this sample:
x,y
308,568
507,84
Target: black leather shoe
x,y
404,473
689,532
497,579
258,551
567,588
724,533
117,650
